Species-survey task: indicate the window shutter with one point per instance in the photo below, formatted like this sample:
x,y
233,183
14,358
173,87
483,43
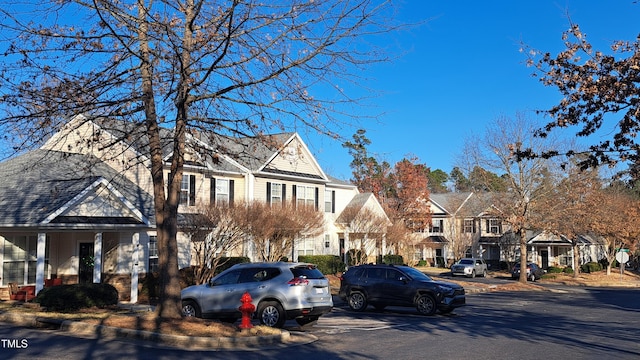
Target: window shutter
x,y
268,192
333,201
231,191
212,191
317,198
474,226
294,194
284,192
192,190
488,228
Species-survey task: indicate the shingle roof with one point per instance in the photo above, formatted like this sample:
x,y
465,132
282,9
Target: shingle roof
x,y
38,183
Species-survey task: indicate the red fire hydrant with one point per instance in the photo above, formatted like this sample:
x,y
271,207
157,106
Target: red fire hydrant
x,y
247,308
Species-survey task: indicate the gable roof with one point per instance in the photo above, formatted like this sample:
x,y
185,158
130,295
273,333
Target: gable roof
x,y
41,186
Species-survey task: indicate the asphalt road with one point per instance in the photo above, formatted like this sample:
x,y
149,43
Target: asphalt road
x,y
581,323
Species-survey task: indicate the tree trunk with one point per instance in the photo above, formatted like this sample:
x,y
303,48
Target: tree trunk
x,y
523,255
576,260
166,210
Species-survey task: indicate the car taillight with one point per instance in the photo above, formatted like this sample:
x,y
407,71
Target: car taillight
x,y
298,281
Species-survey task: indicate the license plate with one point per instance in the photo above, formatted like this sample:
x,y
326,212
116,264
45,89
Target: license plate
x,y
319,290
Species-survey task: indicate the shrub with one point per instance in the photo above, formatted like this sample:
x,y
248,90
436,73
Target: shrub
x,y
554,270
591,267
393,259
568,270
422,263
327,264
68,298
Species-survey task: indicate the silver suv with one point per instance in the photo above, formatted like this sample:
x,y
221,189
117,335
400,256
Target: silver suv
x,y
279,291
469,267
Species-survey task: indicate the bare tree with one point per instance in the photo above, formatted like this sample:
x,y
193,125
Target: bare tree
x,y
234,68
275,228
366,229
215,231
526,180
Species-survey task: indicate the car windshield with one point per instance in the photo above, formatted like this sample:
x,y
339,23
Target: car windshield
x,y
415,274
466,262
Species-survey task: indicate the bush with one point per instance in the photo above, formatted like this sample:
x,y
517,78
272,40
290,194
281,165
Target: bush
x,y
327,264
68,298
591,267
422,263
393,260
554,270
568,270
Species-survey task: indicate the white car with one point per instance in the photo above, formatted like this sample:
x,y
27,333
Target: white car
x,y
470,267
279,291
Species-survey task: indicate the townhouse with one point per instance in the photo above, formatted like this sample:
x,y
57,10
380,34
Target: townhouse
x,y
80,208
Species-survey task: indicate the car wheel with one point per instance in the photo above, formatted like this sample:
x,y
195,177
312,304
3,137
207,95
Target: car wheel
x,y
426,305
307,320
190,309
271,314
473,274
532,277
357,301
484,273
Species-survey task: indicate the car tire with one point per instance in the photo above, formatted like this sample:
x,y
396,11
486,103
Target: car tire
x,y
357,301
190,309
426,304
271,314
473,274
532,277
484,273
307,321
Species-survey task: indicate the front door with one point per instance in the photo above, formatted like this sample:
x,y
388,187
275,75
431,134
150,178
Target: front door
x,y
85,268
545,258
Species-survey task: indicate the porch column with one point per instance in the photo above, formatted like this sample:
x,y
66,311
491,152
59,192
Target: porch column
x,y
135,242
551,258
346,247
40,253
97,258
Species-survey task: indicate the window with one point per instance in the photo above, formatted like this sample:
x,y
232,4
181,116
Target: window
x,y
188,190
153,253
494,226
305,195
304,246
19,264
221,191
469,226
329,201
327,241
276,193
436,226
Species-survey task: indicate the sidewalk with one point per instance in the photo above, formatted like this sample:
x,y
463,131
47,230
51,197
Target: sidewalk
x,y
84,329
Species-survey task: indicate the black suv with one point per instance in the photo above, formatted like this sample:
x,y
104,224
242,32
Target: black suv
x,y
390,285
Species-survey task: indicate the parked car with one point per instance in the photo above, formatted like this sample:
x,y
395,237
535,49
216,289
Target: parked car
x,y
390,285
534,272
469,267
279,291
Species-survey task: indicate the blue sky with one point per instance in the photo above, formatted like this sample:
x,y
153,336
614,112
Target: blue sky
x,y
463,69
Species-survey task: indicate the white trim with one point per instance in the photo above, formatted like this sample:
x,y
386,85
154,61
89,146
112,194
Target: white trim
x,y
83,193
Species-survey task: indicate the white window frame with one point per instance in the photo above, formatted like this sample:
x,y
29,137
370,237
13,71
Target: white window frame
x,y
222,191
305,195
276,193
153,253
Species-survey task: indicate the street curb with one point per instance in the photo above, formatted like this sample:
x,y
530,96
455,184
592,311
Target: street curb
x,y
187,342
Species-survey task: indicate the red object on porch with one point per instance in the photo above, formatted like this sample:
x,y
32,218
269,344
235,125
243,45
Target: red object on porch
x,y
52,282
247,308
23,293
